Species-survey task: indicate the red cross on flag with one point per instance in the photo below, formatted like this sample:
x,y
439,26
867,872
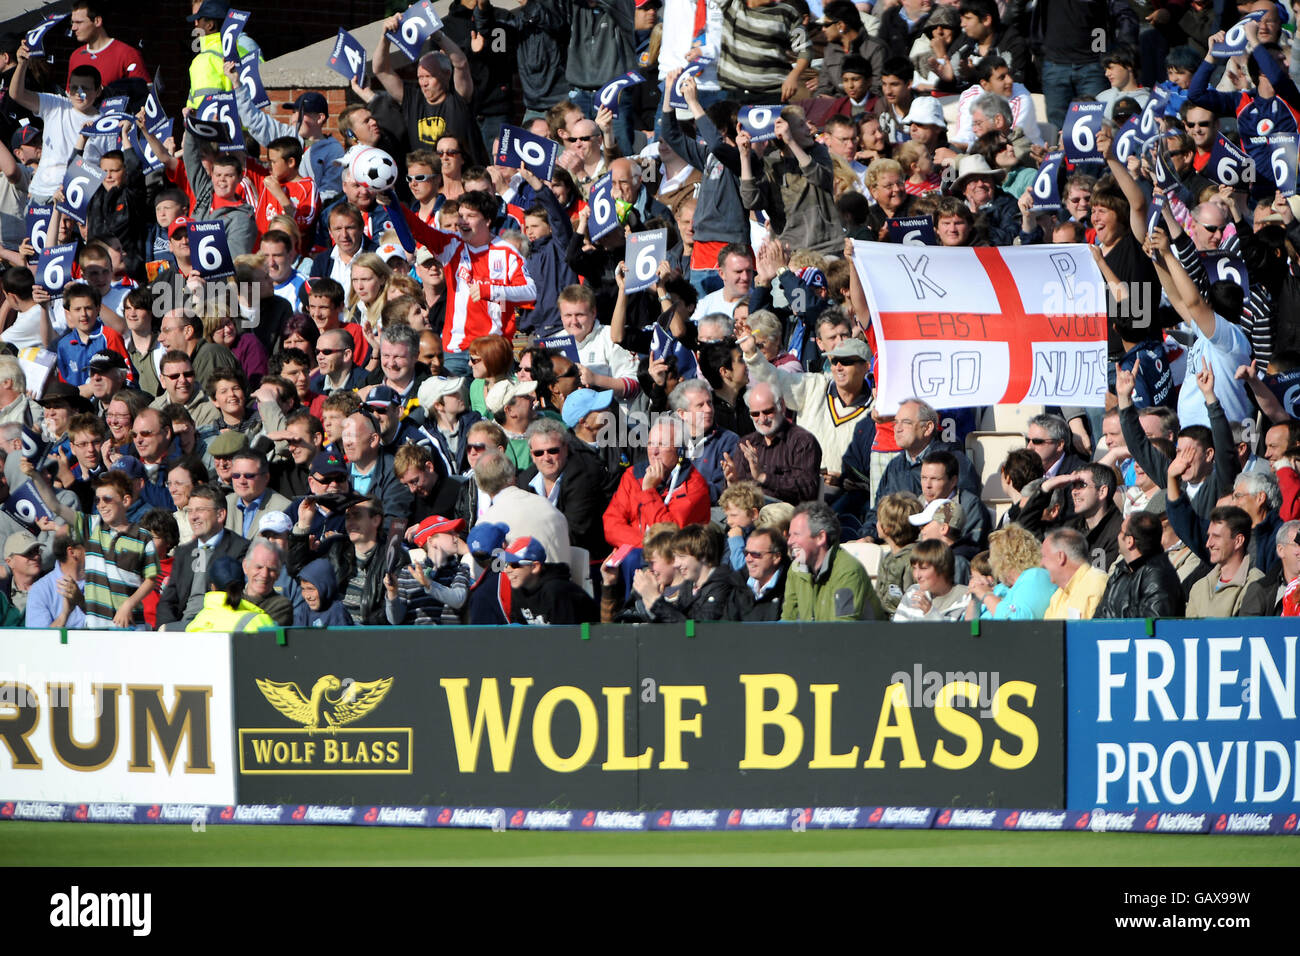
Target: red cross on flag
x,y
985,326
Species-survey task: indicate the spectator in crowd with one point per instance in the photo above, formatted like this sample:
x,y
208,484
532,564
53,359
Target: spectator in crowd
x,y
826,583
184,594
541,592
899,535
783,458
933,596
664,488
1222,592
1265,597
1067,558
765,573
56,599
1019,589
224,607
1143,583
1092,512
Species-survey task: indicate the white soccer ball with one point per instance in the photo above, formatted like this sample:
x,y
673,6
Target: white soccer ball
x,y
374,168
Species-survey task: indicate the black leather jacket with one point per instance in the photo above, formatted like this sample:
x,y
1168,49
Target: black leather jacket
x,y
1148,587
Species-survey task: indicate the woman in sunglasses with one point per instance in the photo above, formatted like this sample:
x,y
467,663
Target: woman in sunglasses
x,y
452,159
424,179
491,360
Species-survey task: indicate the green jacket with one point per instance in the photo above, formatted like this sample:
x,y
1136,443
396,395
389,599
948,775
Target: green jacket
x,y
843,592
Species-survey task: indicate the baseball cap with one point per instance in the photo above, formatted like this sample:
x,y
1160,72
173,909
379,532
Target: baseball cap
x,y
180,222
927,111
423,255
382,396
487,537
224,572
20,542
390,250
228,444
106,360
525,550
25,135
436,524
941,509
309,102
503,393
436,387
328,463
274,522
209,10
851,348
583,402
130,466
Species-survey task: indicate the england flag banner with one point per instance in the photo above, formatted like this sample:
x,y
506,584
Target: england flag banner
x,y
986,326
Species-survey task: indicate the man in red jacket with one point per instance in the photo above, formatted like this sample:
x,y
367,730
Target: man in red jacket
x,y
664,488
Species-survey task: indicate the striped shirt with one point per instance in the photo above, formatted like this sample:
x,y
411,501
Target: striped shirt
x,y
116,565
755,44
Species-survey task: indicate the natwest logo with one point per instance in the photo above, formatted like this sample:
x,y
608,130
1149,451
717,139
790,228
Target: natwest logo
x,y
1181,822
971,819
834,816
1248,822
258,813
547,819
619,820
688,819
906,817
764,817
36,811
315,814
1038,820
403,816
1113,821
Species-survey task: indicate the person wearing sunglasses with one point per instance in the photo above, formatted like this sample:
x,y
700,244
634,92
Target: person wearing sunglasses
x,y
571,477
250,476
783,458
424,180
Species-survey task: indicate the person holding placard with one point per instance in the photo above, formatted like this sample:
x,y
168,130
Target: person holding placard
x,y
64,118
438,102
794,186
207,69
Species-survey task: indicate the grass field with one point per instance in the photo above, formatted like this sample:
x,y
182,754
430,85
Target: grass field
x,y
87,844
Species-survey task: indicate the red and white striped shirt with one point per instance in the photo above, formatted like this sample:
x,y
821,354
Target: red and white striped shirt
x,y
500,273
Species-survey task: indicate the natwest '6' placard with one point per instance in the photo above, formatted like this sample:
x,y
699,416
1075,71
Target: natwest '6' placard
x,y
760,122
54,267
1083,122
79,184
602,214
209,250
521,149
644,253
418,23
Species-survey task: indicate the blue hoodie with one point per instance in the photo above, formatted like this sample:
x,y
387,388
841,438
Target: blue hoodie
x,y
332,612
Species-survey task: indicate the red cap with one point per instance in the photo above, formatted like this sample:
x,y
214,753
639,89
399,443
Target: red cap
x,y
436,524
180,222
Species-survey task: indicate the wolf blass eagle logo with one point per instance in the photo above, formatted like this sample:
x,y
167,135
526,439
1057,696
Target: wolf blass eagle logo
x,y
325,743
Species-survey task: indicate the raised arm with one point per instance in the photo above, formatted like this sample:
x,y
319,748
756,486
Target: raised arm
x,y
461,78
383,60
1137,200
18,91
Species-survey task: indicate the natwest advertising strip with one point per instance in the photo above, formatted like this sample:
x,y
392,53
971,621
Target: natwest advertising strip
x,y
1199,716
127,716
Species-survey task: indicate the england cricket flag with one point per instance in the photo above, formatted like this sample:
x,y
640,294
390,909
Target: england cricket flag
x,y
985,326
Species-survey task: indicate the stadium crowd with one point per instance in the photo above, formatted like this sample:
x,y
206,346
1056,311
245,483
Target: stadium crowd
x,y
491,429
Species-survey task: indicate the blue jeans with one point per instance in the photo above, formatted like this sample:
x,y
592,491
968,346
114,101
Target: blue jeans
x,y
456,363
1063,82
705,281
584,100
